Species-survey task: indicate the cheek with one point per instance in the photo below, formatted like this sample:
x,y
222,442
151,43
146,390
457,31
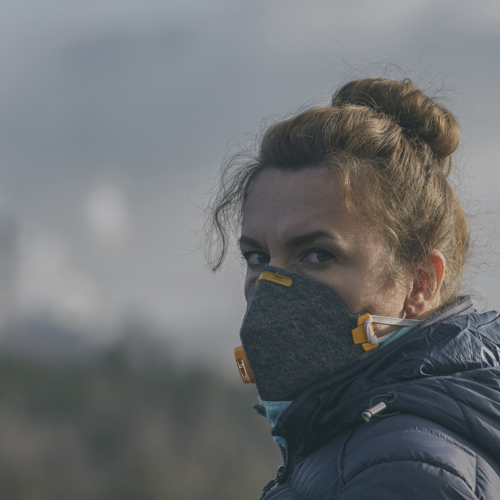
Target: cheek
x,y
352,295
363,286
388,300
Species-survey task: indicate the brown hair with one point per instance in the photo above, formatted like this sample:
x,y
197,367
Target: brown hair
x,y
391,147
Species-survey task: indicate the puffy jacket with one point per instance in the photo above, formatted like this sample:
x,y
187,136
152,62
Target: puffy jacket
x,y
438,438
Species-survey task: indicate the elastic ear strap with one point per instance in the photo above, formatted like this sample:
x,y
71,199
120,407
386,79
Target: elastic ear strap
x,y
384,320
365,335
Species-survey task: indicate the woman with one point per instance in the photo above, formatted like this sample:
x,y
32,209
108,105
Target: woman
x,y
379,380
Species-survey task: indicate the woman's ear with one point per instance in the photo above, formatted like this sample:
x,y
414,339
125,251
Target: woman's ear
x,y
424,296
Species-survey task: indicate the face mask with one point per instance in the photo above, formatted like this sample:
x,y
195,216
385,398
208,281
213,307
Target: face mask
x,y
297,331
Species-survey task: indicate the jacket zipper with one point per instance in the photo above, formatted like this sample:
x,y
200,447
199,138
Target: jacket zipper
x,y
271,483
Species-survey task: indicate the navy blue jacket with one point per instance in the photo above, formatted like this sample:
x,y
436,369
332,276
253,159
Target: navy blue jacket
x,y
439,437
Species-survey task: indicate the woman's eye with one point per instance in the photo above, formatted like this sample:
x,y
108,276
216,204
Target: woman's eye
x,y
318,256
256,259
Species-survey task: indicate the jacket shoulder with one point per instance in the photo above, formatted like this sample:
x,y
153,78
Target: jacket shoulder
x,y
409,457
403,456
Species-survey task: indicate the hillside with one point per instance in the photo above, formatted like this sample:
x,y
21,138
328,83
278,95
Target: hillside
x,y
118,426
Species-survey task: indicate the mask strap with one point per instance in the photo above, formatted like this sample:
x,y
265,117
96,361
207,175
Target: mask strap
x,y
365,335
393,321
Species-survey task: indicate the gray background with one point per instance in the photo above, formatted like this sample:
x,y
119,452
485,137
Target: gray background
x,y
115,115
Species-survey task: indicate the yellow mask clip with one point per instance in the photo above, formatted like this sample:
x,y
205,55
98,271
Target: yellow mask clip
x,y
274,278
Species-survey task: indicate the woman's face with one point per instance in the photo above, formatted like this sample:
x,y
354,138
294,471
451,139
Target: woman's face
x,y
298,221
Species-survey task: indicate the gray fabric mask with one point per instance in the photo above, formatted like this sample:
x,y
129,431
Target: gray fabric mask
x,y
296,332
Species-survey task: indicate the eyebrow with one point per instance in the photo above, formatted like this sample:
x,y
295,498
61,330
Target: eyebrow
x,y
303,239
296,241
245,240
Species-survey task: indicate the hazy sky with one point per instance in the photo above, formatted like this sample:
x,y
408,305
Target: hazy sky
x,y
115,116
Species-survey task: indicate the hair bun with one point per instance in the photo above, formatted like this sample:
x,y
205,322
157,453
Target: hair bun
x,y
409,107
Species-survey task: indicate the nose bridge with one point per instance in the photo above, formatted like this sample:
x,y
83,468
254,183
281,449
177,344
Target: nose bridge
x,y
278,252
278,261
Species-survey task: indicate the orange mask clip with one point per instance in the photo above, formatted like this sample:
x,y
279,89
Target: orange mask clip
x,y
243,366
359,334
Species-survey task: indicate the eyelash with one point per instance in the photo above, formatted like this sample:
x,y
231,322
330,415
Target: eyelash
x,y
331,256
247,255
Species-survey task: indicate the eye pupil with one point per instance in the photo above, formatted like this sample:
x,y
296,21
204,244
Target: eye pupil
x,y
323,256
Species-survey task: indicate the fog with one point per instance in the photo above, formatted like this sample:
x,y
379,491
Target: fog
x,y
115,117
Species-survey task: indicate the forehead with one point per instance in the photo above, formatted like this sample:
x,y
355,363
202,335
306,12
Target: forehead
x,y
295,201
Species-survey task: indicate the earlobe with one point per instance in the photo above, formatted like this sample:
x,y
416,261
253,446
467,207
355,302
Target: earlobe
x,y
414,305
424,296
409,309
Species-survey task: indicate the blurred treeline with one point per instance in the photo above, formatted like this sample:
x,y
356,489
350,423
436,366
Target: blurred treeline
x,y
128,422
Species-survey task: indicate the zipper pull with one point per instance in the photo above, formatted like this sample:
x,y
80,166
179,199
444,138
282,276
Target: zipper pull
x,y
271,483
374,410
